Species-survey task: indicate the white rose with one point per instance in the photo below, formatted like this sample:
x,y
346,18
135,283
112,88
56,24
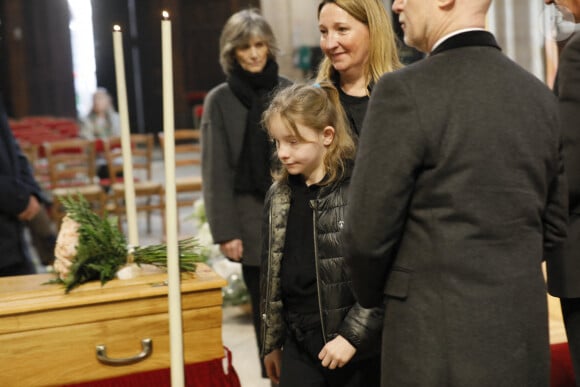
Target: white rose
x,y
65,250
62,267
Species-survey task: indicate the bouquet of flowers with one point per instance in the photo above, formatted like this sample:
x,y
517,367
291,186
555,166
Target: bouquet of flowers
x,y
90,248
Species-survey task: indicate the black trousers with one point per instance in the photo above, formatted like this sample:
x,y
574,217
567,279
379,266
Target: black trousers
x,y
301,366
571,314
252,280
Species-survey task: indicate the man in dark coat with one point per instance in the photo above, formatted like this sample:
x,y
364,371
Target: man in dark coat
x,y
564,267
458,193
19,202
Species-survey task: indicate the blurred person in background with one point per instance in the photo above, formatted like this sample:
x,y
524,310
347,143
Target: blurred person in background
x,y
100,123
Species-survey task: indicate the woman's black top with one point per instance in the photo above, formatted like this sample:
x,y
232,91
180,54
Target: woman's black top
x,y
356,108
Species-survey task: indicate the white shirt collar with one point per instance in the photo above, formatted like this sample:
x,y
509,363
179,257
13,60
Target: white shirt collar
x,y
437,43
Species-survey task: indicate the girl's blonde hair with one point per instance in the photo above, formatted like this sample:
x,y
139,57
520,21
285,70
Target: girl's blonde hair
x,y
314,106
238,30
383,54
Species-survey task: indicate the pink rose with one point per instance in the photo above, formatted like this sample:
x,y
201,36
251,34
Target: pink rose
x,y
65,250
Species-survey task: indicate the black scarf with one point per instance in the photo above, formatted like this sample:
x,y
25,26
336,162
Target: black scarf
x,y
254,90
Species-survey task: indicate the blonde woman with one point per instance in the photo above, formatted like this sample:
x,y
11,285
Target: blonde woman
x,y
359,44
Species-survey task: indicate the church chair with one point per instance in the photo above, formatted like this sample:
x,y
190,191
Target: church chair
x,y
148,193
188,183
71,171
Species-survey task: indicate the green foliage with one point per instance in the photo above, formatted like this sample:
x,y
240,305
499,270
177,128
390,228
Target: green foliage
x,y
102,248
188,250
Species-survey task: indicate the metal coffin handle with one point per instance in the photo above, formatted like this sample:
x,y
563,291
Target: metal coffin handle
x,y
147,349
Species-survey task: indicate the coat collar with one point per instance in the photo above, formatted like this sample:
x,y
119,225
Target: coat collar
x,y
467,39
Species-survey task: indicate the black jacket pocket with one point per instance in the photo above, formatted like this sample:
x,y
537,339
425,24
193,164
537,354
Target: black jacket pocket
x,y
397,284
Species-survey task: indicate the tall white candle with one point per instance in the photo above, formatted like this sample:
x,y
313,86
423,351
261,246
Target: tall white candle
x,y
174,280
130,206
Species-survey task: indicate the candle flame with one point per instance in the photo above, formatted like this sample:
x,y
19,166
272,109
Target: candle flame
x,y
116,28
165,15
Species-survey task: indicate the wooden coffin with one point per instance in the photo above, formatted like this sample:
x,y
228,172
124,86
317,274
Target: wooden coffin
x,y
51,338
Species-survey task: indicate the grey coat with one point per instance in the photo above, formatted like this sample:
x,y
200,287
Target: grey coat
x,y
564,266
230,216
340,314
458,188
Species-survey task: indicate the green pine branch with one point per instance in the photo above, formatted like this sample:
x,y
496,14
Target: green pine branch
x,y
102,248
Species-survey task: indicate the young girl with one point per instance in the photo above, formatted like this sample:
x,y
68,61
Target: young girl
x,y
314,333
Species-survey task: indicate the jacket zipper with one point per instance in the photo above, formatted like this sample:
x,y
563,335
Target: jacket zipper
x,y
314,204
268,292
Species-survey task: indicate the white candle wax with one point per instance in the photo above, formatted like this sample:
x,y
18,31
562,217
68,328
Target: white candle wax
x,y
130,206
174,280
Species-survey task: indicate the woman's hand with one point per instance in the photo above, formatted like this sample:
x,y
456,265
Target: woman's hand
x,y
233,249
272,362
336,353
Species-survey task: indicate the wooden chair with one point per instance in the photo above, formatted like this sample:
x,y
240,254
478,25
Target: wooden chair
x,y
187,146
187,155
148,193
71,170
30,151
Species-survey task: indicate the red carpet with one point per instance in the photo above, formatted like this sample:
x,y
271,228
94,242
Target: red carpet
x,y
561,374
212,373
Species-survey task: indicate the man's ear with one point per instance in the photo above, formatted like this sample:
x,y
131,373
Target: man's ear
x,y
328,135
445,4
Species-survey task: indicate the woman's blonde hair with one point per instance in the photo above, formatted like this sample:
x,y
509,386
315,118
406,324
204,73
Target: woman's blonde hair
x,y
314,106
238,30
383,54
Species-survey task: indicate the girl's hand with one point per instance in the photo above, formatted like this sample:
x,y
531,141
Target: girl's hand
x,y
336,353
233,249
272,362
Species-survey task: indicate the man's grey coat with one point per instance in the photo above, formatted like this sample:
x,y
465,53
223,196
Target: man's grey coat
x,y
457,190
564,265
564,268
